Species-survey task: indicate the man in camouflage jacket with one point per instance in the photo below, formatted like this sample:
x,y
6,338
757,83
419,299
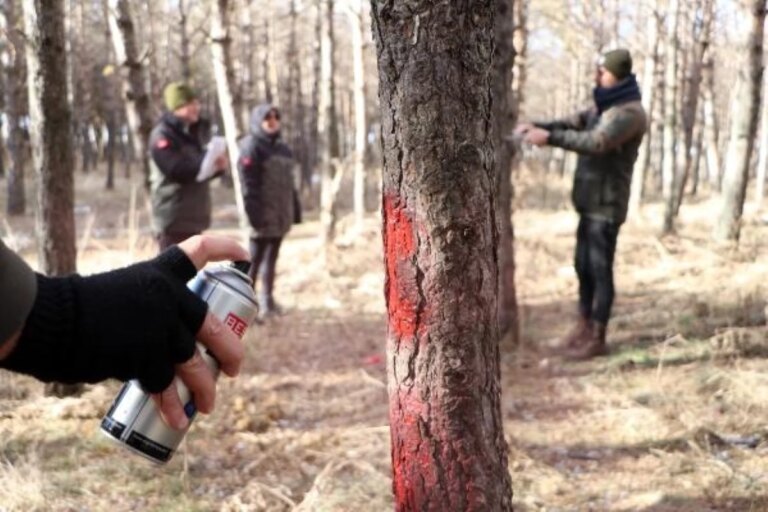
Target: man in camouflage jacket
x,y
607,138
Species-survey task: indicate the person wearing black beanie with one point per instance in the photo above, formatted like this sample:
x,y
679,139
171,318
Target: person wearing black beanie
x,y
607,138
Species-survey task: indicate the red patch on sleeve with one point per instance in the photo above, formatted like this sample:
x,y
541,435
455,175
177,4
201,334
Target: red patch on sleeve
x,y
247,160
163,143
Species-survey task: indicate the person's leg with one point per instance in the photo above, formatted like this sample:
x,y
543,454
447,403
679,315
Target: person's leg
x,y
583,268
580,331
269,272
258,247
602,250
602,237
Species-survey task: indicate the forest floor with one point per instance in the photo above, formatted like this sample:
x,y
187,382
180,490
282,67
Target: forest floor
x,y
672,420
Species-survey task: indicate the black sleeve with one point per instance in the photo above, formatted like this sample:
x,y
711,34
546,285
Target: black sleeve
x,y
249,170
18,289
135,322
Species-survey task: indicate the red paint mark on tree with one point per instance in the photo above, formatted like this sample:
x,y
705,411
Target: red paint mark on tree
x,y
413,465
400,247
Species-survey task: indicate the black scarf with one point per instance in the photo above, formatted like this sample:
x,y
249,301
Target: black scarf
x,y
623,92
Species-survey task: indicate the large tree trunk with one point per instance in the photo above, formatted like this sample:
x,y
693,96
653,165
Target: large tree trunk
x,y
440,246
15,73
745,105
52,155
139,112
669,170
224,74
506,118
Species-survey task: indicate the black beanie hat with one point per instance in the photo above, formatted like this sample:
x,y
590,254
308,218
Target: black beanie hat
x,y
618,62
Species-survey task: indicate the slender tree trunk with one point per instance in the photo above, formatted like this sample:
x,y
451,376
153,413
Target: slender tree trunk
x,y
248,84
440,247
669,171
138,111
745,105
762,162
184,50
637,191
358,90
328,135
520,65
711,124
224,74
505,120
50,123
15,73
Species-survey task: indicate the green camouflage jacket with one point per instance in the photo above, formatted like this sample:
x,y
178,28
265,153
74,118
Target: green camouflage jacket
x,y
607,145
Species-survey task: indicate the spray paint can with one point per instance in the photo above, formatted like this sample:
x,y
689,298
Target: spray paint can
x,y
133,420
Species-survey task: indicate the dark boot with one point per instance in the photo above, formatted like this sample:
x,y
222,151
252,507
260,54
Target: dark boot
x,y
593,346
578,335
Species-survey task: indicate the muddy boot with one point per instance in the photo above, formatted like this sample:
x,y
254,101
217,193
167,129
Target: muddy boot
x,y
594,345
578,335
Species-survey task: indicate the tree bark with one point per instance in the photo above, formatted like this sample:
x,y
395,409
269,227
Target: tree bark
x,y
637,190
15,74
50,123
711,124
358,92
506,117
669,170
138,111
224,74
440,245
745,105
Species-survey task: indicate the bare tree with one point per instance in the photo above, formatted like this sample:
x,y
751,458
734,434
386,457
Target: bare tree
x,y
15,72
440,246
745,105
224,74
669,171
52,155
139,112
358,90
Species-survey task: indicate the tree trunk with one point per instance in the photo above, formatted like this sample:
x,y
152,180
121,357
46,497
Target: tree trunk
x,y
762,162
440,247
328,140
358,91
52,155
669,171
224,73
711,124
745,105
506,118
184,52
138,111
637,190
15,74
701,37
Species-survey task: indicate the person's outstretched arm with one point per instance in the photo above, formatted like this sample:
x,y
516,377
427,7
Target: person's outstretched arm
x,y
137,322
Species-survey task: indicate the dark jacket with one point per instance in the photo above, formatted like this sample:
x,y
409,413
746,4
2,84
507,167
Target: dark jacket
x,y
607,144
180,204
266,167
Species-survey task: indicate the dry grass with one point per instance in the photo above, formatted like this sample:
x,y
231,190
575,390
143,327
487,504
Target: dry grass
x,y
673,420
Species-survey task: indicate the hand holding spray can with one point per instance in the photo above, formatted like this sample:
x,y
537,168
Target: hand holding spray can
x,y
133,419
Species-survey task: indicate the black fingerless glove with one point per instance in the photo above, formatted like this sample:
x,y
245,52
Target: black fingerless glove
x,y
135,322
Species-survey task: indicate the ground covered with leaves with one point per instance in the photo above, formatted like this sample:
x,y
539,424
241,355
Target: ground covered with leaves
x,y
672,420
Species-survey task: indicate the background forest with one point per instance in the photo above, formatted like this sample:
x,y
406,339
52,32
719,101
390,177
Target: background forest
x,y
672,420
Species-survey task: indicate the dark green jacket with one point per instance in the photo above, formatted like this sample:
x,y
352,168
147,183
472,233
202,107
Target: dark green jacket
x,y
18,289
607,145
180,204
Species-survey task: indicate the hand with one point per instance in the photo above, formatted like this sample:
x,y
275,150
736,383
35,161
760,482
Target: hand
x,y
226,347
221,164
522,128
537,136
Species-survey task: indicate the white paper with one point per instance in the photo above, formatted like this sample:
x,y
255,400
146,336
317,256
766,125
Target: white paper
x,y
216,148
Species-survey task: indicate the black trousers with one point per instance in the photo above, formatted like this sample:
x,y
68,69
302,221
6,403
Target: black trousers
x,y
595,249
264,252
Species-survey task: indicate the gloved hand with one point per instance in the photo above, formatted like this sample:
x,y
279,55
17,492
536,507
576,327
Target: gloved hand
x,y
135,322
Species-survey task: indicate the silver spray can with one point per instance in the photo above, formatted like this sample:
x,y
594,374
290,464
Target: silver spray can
x,y
134,420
